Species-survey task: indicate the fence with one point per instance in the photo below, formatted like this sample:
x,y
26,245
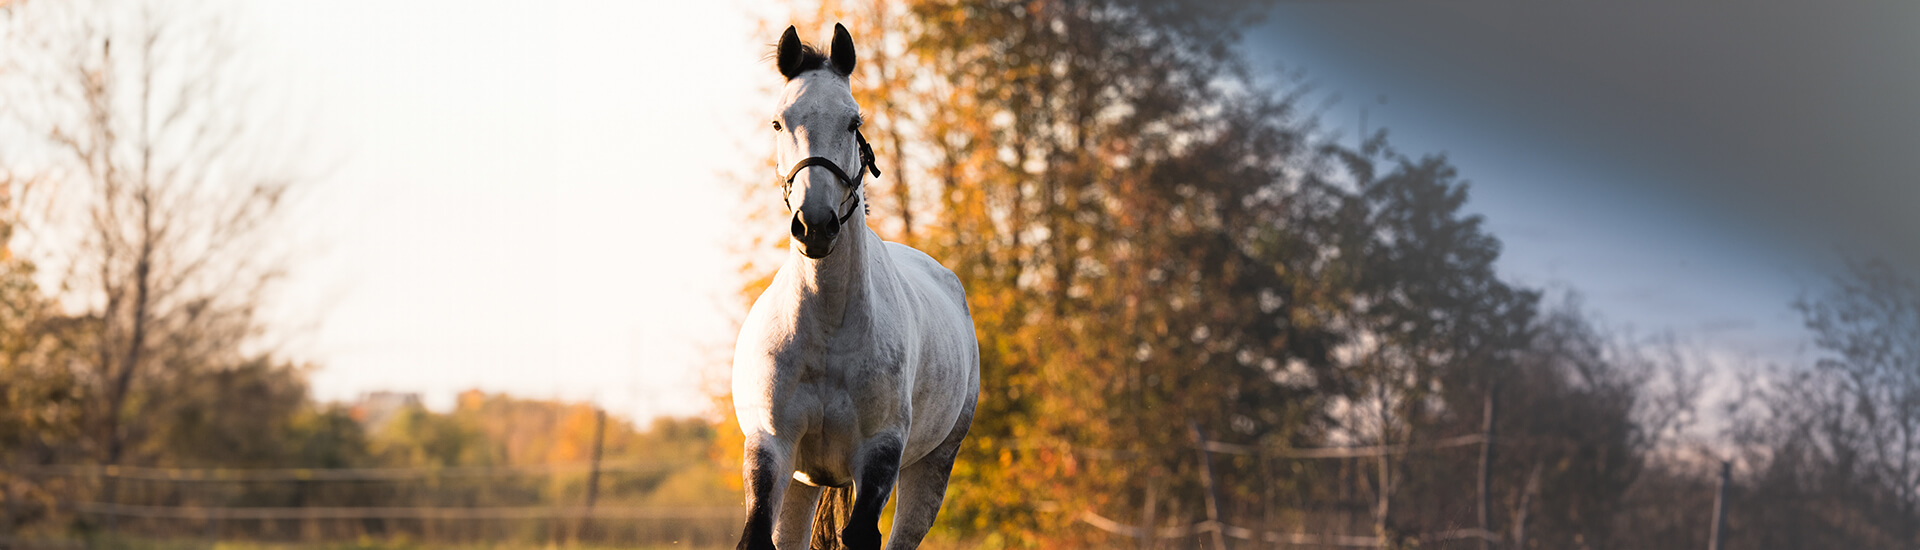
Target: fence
x,y
312,504
535,505
188,509
463,504
1218,529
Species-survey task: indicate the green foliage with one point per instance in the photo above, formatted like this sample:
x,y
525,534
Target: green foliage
x,y
243,417
326,436
418,437
40,399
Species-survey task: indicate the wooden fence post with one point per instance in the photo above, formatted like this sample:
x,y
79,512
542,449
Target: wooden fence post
x,y
1385,505
1213,494
1147,540
1526,506
1486,471
1719,532
12,510
593,473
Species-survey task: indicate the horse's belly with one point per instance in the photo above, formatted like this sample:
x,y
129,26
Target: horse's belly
x,y
945,382
936,408
944,360
824,457
822,477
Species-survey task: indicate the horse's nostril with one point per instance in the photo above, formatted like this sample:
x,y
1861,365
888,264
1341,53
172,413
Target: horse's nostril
x,y
799,227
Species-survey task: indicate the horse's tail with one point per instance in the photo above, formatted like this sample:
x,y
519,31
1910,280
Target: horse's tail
x,y
836,508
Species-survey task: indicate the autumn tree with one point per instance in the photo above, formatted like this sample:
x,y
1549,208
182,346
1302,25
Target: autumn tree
x,y
1159,244
1111,184
39,392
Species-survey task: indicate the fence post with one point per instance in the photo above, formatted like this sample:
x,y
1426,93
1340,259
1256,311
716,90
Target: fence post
x,y
110,487
1213,496
213,530
1719,532
13,511
1526,507
6,491
1486,471
1266,490
1146,514
1385,505
593,473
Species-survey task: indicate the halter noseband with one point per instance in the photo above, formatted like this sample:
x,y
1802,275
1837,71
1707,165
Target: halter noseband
x,y
853,183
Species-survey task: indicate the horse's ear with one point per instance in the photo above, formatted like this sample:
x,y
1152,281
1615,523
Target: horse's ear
x,y
842,53
787,54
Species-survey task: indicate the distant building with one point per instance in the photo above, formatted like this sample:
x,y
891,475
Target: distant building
x,y
375,409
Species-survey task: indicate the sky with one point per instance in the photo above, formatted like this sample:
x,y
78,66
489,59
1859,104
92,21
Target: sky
x,y
1690,168
527,197
532,198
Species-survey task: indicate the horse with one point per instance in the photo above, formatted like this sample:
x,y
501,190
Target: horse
x,y
858,369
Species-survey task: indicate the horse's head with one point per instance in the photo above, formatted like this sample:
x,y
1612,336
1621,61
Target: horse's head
x,y
818,143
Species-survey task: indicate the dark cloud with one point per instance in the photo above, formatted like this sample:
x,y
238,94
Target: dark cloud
x,y
1797,121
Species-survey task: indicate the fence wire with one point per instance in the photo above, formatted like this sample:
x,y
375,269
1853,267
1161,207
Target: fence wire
x,y
555,521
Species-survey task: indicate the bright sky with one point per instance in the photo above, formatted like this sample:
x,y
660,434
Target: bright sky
x,y
530,197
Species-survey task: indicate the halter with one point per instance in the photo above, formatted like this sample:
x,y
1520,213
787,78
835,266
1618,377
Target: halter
x,y
853,183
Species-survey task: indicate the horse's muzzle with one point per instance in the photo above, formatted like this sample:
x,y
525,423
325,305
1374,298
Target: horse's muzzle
x,y
815,234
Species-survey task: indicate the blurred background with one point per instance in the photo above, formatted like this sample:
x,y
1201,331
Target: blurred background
x,y
1382,274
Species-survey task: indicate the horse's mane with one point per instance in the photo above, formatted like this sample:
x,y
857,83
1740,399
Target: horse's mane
x,y
811,58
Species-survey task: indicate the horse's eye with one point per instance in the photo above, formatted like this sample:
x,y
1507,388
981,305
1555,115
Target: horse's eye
x,y
776,126
854,126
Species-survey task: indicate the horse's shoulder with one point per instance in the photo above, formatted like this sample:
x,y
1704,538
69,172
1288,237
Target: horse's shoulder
x,y
764,304
770,315
926,270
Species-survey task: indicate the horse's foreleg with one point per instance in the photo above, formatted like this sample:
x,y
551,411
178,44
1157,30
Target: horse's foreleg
x,y
795,527
923,486
878,467
768,469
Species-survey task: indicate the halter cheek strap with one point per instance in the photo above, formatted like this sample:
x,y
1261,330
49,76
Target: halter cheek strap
x,y
852,184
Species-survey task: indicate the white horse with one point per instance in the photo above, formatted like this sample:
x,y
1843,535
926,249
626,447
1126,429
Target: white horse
x,y
858,369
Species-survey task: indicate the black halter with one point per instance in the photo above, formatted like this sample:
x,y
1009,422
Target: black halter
x,y
853,183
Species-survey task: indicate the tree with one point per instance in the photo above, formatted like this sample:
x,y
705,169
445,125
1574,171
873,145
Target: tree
x,y
1147,235
1838,442
40,396
1153,240
1587,432
1431,328
161,195
1107,176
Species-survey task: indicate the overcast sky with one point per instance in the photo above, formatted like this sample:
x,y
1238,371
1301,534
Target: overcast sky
x,y
529,196
1796,116
1688,166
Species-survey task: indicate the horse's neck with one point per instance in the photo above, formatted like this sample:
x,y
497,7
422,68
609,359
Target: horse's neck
x,y
843,280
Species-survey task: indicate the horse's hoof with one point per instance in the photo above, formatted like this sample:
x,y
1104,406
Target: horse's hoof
x,y
861,539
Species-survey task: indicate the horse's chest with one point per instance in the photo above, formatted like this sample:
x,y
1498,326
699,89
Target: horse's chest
x,y
850,380
854,355
841,411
